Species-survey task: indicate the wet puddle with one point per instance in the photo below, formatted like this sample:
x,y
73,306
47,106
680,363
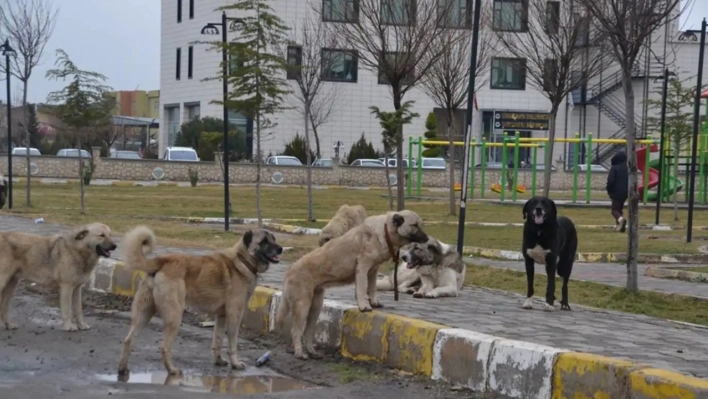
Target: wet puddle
x,y
250,381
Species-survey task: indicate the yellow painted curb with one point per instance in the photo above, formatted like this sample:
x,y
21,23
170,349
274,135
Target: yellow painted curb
x,y
257,315
125,282
579,375
651,383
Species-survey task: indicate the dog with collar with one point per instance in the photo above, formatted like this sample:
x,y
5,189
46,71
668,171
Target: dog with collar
x,y
549,240
219,284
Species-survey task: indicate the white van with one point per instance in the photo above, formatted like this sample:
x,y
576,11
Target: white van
x,y
187,154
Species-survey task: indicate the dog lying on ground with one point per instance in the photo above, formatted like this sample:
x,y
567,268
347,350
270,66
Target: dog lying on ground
x,y
549,240
66,259
219,284
355,258
346,218
431,270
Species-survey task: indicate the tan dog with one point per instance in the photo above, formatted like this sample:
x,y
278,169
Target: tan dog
x,y
65,259
219,284
355,258
346,218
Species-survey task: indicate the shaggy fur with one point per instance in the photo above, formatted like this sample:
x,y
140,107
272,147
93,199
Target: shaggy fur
x,y
346,218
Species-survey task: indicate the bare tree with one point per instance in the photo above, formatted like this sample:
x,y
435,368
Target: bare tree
x,y
29,25
447,81
628,26
554,43
310,66
390,38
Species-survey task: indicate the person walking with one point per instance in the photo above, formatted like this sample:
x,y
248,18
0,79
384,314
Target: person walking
x,y
617,188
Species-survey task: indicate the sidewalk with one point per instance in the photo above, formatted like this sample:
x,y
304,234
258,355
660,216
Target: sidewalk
x,y
660,343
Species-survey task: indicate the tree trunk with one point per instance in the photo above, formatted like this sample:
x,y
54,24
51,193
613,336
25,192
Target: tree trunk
x,y
259,159
317,139
451,157
310,213
633,235
28,201
400,192
81,175
388,178
548,152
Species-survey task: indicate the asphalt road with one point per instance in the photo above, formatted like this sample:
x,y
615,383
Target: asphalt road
x,y
40,361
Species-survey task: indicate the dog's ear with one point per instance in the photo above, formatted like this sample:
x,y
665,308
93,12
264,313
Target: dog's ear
x,y
398,220
434,249
81,235
247,238
552,207
525,209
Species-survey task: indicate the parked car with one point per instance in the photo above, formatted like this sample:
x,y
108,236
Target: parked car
x,y
33,152
368,163
392,162
323,163
125,155
593,168
284,160
526,166
180,154
433,163
72,152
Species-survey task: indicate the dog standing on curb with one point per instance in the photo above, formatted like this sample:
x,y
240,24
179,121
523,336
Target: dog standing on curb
x,y
549,240
220,284
355,258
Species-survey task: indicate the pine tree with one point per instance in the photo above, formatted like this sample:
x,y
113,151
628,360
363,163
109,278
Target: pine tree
x,y
431,134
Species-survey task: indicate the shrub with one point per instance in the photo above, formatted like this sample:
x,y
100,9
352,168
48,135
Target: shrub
x,y
361,149
297,148
206,137
431,133
193,176
87,170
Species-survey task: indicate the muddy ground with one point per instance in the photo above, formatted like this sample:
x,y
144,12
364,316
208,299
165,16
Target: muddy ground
x,y
40,361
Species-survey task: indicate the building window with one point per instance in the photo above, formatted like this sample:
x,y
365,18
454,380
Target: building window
x,y
190,62
179,11
294,62
459,14
510,15
172,117
553,17
234,65
508,74
178,70
192,111
396,61
191,9
550,75
583,30
340,10
398,12
339,65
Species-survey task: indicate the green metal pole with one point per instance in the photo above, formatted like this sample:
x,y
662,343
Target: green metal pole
x,y
483,171
409,178
503,170
472,167
701,168
588,173
420,166
533,172
576,162
647,155
515,178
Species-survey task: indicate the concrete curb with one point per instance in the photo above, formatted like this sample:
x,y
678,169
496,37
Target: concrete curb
x,y
685,275
483,363
591,257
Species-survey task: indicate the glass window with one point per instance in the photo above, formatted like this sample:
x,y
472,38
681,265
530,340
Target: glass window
x,y
398,12
510,15
340,10
550,75
339,65
294,62
553,17
508,74
396,61
459,13
582,23
289,161
183,155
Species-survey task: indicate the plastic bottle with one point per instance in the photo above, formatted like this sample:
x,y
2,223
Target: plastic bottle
x,y
39,221
263,359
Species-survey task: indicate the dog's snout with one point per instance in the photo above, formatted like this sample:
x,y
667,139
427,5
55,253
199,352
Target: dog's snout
x,y
405,257
539,210
113,247
279,250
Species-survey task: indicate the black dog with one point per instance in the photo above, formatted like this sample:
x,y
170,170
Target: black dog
x,y
549,240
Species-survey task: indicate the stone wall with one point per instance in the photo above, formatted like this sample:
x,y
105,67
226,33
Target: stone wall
x,y
107,168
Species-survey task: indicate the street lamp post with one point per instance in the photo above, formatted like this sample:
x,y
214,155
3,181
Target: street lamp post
x,y
8,51
664,94
213,29
696,122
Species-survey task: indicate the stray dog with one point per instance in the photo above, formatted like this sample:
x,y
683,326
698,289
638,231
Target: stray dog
x,y
65,259
355,258
346,218
429,270
549,240
220,284
3,190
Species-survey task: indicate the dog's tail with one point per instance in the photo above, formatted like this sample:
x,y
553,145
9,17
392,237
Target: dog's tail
x,y
282,313
137,244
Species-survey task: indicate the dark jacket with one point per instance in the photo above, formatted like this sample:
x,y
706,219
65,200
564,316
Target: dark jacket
x,y
618,178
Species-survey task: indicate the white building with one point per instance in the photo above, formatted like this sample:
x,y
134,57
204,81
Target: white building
x,y
185,95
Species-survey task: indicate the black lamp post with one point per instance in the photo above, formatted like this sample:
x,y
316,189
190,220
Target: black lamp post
x,y
8,51
696,122
213,29
664,93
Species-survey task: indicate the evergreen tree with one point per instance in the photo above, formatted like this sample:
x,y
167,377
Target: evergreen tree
x,y
361,149
297,148
431,134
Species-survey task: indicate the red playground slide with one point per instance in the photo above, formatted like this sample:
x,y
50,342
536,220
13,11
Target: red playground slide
x,y
653,173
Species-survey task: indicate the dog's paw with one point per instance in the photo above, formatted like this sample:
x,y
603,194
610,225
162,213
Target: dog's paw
x,y
365,309
418,295
528,304
547,307
431,295
220,362
174,371
238,365
70,327
84,327
565,306
11,326
375,304
302,356
314,354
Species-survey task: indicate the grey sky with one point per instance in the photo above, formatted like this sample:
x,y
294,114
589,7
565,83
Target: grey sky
x,y
121,39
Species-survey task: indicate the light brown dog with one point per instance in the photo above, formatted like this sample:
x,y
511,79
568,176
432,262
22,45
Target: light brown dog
x,y
219,284
355,258
66,259
346,218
